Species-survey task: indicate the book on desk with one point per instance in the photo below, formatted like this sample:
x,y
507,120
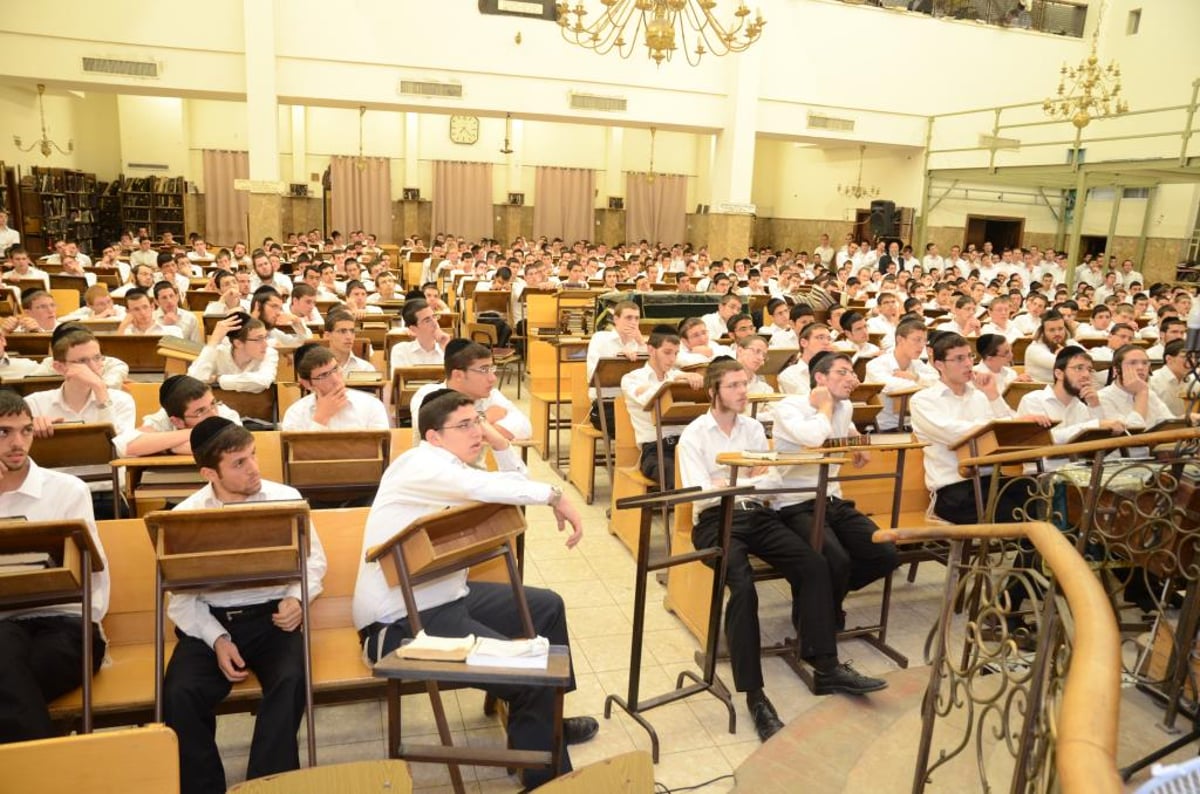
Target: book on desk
x,y
526,654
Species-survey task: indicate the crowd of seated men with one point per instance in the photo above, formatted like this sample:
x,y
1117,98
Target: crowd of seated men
x,y
942,326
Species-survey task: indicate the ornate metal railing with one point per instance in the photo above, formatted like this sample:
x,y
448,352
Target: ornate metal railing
x,y
1060,17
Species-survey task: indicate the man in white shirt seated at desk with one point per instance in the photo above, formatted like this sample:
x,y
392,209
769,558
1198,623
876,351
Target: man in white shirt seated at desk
x,y
266,305
340,333
139,317
186,402
1169,380
804,422
799,316
718,322
98,305
246,362
1073,400
11,366
943,414
1052,336
815,338
170,314
144,255
698,347
1129,396
225,634
39,316
642,384
623,339
759,530
330,404
469,369
428,345
436,474
41,649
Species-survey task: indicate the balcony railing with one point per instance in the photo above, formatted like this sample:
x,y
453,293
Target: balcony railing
x,y
1060,17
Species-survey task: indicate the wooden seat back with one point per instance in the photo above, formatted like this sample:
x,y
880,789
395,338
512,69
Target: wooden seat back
x,y
108,762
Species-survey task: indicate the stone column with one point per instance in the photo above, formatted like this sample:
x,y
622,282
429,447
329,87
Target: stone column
x,y
262,121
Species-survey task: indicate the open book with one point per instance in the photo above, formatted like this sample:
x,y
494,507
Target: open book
x,y
482,651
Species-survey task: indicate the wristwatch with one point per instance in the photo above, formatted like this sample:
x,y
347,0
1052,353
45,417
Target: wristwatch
x,y
556,495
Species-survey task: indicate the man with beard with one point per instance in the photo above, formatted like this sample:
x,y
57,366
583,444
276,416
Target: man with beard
x,y
1072,400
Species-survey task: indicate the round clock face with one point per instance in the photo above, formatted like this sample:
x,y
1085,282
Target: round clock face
x,y
464,129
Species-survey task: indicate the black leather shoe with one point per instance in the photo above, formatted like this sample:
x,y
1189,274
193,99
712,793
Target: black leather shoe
x,y
577,730
766,721
847,680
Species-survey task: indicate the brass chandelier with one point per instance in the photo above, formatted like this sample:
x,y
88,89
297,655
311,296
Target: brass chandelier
x,y
1093,92
43,144
857,190
663,25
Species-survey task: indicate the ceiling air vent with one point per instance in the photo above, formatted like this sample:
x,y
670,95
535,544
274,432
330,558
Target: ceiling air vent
x,y
149,166
818,122
115,66
431,88
608,104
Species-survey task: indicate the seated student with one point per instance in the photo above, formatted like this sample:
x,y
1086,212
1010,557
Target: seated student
x,y
141,276
98,305
225,284
856,338
170,270
304,304
942,414
329,405
1169,380
186,402
717,322
1129,396
1052,336
962,318
139,317
815,338
224,634
436,474
799,315
23,268
999,320
996,357
698,347
809,421
1119,335
639,386
340,329
267,306
244,363
428,346
885,319
41,649
1072,400
385,289
740,326
264,273
39,314
760,531
623,339
83,397
1029,322
778,310
14,367
1098,326
356,300
169,314
469,370
751,351
1170,329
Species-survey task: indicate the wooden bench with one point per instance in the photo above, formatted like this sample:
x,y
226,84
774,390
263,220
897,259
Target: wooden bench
x,y
628,479
585,439
109,762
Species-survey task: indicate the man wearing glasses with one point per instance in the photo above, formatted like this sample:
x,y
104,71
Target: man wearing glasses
x,y
438,473
83,397
246,363
1073,400
186,402
469,369
329,405
942,414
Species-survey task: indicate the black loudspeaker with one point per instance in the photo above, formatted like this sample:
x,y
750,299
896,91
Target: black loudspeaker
x,y
883,218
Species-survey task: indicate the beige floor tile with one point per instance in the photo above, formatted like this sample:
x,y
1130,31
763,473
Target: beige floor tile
x,y
735,754
573,568
605,652
677,728
597,621
668,646
588,697
692,767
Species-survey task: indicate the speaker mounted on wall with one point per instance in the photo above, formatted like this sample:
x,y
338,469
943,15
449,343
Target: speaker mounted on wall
x,y
883,218
412,194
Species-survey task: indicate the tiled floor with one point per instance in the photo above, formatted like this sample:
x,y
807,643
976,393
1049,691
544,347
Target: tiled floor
x,y
596,580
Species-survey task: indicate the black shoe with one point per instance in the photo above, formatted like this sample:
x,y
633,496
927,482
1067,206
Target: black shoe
x,y
577,730
847,680
766,721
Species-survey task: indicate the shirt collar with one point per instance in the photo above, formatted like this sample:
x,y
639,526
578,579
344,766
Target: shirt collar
x,y
34,483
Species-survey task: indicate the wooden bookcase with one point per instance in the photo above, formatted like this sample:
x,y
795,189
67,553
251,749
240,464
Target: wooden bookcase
x,y
109,226
154,202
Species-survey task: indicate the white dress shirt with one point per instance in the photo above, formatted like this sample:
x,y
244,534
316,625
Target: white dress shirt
x,y
428,479
120,413
1039,362
687,358
218,362
798,425
881,369
159,422
1004,377
188,325
1010,331
940,418
794,379
411,354
638,387
362,412
8,238
48,495
881,325
156,329
717,327
606,344
784,337
1169,389
1073,418
696,456
514,421
1118,404
190,611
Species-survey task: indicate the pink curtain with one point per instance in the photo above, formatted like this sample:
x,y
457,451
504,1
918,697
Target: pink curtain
x,y
462,199
656,209
225,209
564,200
361,195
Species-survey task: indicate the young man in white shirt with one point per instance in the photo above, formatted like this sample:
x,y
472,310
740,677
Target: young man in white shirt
x,y
885,320
186,402
1168,381
340,330
1031,320
1129,396
799,316
1051,337
718,322
856,339
140,320
266,305
1170,329
169,314
624,339
469,369
428,346
41,648
759,530
224,634
999,322
9,238
962,318
264,273
961,402
815,338
39,314
901,369
855,561
246,363
330,405
436,474
1072,400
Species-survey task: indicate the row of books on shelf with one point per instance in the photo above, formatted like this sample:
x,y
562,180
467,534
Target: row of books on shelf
x,y
81,216
153,184
172,184
53,207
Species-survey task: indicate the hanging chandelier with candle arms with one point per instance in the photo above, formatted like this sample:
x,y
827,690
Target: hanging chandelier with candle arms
x,y
664,26
43,144
1088,90
857,190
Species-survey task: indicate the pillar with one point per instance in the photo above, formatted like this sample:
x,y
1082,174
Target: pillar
x,y
732,233
262,121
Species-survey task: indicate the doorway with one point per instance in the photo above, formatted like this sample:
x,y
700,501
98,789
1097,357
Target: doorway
x,y
1002,232
1094,244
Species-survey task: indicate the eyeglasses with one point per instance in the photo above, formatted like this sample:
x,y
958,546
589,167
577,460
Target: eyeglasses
x,y
963,359
324,375
488,370
841,373
211,410
465,425
96,359
262,338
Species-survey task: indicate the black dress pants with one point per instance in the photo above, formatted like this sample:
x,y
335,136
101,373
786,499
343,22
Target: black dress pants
x,y
194,686
489,610
956,502
40,659
763,533
854,560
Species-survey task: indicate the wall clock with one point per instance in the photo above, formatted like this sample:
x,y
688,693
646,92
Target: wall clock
x,y
464,129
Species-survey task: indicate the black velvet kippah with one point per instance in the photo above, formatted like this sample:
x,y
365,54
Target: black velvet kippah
x,y
63,330
169,385
206,431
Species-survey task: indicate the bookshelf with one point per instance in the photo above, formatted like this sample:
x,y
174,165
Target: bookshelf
x,y
58,203
136,203
109,220
154,202
7,203
82,210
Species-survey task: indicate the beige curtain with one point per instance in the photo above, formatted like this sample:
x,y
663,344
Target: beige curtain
x,y
360,193
225,209
655,210
564,200
462,199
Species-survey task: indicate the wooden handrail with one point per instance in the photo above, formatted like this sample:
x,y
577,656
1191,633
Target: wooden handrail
x,y
1083,447
1086,754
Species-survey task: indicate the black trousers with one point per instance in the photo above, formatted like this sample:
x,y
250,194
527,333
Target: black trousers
x,y
854,560
648,464
610,416
763,533
489,610
194,686
40,660
503,329
956,502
